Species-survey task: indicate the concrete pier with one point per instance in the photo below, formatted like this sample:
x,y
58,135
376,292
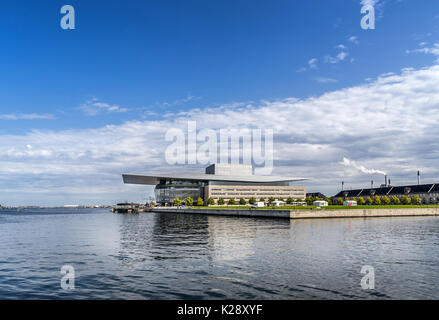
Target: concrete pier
x,y
285,214
308,214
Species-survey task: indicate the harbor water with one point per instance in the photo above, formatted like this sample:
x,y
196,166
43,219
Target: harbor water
x,y
173,256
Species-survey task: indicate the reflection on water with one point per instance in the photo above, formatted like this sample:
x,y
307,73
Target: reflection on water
x,y
171,256
163,237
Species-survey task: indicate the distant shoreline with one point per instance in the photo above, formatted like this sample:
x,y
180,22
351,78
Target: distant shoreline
x,y
60,207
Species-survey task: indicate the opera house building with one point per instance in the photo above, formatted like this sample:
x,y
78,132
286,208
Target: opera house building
x,y
224,181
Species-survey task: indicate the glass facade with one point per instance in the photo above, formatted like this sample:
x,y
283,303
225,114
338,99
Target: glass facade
x,y
168,190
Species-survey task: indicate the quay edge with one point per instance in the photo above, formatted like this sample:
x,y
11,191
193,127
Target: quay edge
x,y
308,214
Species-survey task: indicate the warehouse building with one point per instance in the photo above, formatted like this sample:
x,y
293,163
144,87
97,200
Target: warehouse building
x,y
429,193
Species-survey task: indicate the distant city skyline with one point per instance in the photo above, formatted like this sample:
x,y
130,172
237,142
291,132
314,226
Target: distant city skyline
x,y
80,107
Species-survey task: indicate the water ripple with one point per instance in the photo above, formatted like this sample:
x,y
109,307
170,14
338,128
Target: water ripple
x,y
166,256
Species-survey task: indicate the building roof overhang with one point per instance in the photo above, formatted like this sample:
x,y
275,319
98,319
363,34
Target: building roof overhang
x,y
155,179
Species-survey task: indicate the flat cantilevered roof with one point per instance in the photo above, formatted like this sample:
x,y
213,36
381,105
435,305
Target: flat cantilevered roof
x,y
155,179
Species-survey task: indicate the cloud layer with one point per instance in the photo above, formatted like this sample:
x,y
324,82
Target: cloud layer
x,y
27,116
94,107
390,123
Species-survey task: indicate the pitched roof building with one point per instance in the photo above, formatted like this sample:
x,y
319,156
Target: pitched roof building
x,y
429,193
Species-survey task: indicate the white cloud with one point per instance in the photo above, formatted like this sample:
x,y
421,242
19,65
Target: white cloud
x,y
433,50
342,55
181,101
325,80
29,116
332,60
369,2
389,123
94,107
354,39
422,36
339,57
312,63
329,59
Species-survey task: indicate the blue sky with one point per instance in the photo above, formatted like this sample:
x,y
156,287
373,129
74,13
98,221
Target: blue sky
x,y
130,64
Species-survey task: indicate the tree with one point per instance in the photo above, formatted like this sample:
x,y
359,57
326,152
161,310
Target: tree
x,y
210,201
262,200
416,200
340,201
309,201
395,200
361,201
290,200
298,200
231,202
271,199
221,201
177,202
281,199
405,200
242,202
377,200
189,201
252,200
385,200
200,202
329,201
369,200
